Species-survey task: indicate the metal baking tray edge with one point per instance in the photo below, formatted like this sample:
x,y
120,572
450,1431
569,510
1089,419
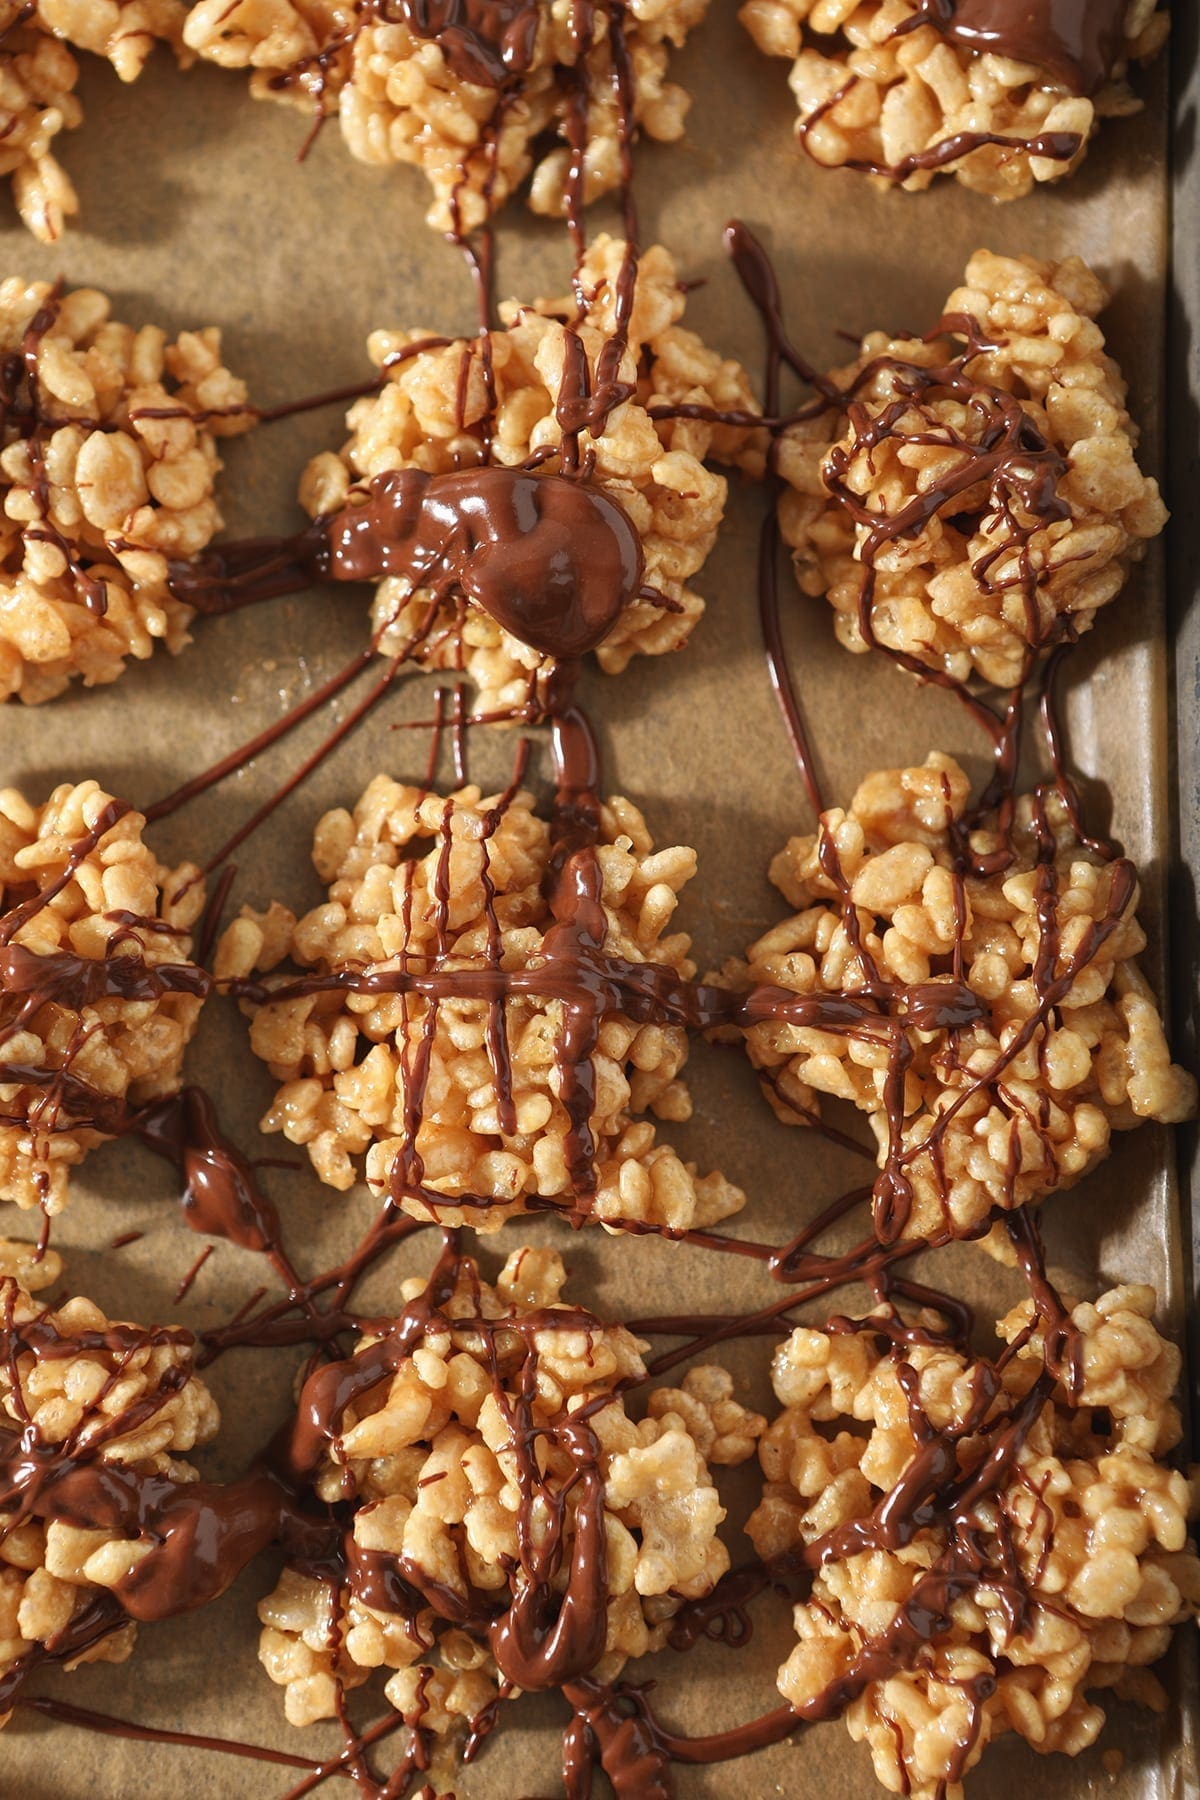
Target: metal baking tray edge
x,y
1183,601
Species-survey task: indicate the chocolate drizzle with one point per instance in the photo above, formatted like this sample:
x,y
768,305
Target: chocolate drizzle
x,y
1076,43
1009,458
1050,146
551,560
198,1536
1073,45
488,42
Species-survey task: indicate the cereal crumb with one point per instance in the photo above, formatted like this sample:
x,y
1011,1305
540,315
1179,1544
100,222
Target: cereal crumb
x,y
470,402
1065,1577
998,566
66,1054
400,98
99,493
455,885
1020,1099
872,92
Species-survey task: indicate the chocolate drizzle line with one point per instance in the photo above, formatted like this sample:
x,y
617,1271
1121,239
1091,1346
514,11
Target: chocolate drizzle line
x,y
1050,146
1073,44
758,279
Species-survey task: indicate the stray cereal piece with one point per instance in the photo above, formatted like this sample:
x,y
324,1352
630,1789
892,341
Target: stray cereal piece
x,y
452,1029
991,1542
30,1270
469,402
107,467
976,497
1000,96
98,993
509,1517
1015,1030
472,100
80,1395
37,86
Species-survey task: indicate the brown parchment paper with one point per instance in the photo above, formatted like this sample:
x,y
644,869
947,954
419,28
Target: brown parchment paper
x,y
195,211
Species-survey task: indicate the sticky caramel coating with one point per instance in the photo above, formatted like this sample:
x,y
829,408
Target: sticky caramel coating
x,y
1098,1062
127,1051
984,581
431,1466
37,88
75,1400
400,101
96,496
435,413
347,1063
903,95
1097,1518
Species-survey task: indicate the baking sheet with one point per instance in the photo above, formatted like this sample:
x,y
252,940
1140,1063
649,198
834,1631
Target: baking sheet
x,y
195,211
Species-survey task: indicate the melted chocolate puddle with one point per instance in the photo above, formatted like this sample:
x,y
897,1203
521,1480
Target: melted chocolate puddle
x,y
554,561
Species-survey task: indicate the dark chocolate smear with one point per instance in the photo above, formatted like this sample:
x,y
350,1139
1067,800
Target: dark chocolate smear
x,y
1076,42
487,42
552,560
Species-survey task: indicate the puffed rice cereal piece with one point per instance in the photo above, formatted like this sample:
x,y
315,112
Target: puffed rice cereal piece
x,y
401,99
107,471
37,87
996,567
79,1050
435,413
1065,1573
500,1411
454,886
77,1385
1021,1097
904,104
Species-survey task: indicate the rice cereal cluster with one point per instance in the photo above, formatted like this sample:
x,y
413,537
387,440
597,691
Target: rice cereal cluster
x,y
994,567
66,1054
401,98
434,413
1020,1100
1084,1560
436,1463
423,883
873,92
37,87
98,492
77,1386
